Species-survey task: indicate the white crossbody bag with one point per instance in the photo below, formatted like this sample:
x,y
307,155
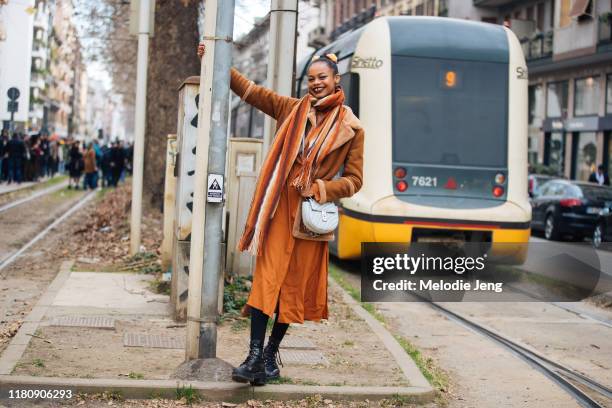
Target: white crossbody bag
x,y
319,218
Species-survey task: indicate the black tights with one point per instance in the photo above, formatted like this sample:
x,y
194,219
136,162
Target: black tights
x,y
259,321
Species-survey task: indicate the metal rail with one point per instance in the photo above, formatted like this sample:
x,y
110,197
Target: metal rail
x,y
44,232
31,197
554,371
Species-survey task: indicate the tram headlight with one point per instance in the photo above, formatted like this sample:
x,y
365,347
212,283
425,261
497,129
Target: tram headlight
x,y
498,191
500,178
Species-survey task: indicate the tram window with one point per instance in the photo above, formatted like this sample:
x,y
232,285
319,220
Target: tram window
x,y
450,112
350,84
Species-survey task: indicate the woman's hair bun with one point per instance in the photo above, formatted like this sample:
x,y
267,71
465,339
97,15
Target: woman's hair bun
x,y
332,57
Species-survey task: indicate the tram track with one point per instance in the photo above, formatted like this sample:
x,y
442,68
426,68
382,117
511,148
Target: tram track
x,y
580,387
564,377
67,214
33,196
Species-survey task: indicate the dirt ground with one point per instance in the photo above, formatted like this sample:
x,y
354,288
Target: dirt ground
x,y
24,281
101,400
83,236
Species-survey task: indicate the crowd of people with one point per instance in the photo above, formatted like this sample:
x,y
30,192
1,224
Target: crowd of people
x,y
89,165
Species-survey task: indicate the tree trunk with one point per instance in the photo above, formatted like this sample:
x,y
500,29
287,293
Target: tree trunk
x,y
172,58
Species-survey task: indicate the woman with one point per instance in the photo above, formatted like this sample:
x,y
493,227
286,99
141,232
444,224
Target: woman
x,y
315,136
75,165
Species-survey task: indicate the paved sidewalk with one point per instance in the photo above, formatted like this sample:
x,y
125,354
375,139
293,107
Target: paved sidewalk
x,y
102,331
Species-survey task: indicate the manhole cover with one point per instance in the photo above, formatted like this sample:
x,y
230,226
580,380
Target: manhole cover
x,y
96,322
303,357
153,341
297,342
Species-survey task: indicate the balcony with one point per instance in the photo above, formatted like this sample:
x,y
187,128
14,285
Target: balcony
x,y
37,81
317,37
41,20
604,35
39,52
355,22
540,45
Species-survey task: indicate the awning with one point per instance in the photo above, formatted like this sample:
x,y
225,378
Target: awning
x,y
579,7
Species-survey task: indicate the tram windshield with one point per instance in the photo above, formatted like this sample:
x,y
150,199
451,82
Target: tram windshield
x,y
449,112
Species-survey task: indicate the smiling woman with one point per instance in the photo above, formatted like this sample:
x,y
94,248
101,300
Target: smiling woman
x,y
316,136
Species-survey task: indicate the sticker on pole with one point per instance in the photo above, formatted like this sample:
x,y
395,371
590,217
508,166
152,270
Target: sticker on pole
x,y
215,188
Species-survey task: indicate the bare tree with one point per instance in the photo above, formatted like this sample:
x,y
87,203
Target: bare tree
x,y
172,58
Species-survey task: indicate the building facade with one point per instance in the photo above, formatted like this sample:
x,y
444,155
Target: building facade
x,y
41,56
251,59
16,59
65,56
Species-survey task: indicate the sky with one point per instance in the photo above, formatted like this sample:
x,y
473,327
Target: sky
x,y
245,14
246,11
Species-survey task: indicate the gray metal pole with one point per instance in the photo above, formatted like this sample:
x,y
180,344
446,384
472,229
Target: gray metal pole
x,y
12,124
213,234
283,29
139,123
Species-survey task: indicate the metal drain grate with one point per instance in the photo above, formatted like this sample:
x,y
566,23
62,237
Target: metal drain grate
x,y
295,342
96,322
153,341
303,357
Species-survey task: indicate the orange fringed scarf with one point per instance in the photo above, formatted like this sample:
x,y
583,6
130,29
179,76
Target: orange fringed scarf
x,y
283,153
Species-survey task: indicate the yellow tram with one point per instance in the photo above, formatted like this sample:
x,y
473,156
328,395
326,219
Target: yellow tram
x,y
444,105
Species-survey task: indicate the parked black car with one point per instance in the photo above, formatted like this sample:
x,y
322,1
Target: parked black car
x,y
535,181
567,207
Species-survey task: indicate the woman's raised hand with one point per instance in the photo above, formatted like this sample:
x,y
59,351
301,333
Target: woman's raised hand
x,y
201,49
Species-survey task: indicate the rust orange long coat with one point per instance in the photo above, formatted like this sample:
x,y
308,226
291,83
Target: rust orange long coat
x,y
291,270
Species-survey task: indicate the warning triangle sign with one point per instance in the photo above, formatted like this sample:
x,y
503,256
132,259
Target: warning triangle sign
x,y
215,186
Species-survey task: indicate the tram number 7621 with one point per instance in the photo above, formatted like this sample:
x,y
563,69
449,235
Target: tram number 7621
x,y
424,181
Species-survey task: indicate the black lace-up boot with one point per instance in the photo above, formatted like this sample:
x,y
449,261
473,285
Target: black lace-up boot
x,y
252,369
272,358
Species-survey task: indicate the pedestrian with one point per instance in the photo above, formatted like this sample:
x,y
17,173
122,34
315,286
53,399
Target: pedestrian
x,y
45,157
316,136
16,152
37,159
62,154
106,169
91,170
129,162
600,176
4,155
117,162
124,153
75,165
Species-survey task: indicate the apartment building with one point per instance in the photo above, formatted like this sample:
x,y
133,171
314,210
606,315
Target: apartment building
x,y
251,58
16,59
65,55
41,56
